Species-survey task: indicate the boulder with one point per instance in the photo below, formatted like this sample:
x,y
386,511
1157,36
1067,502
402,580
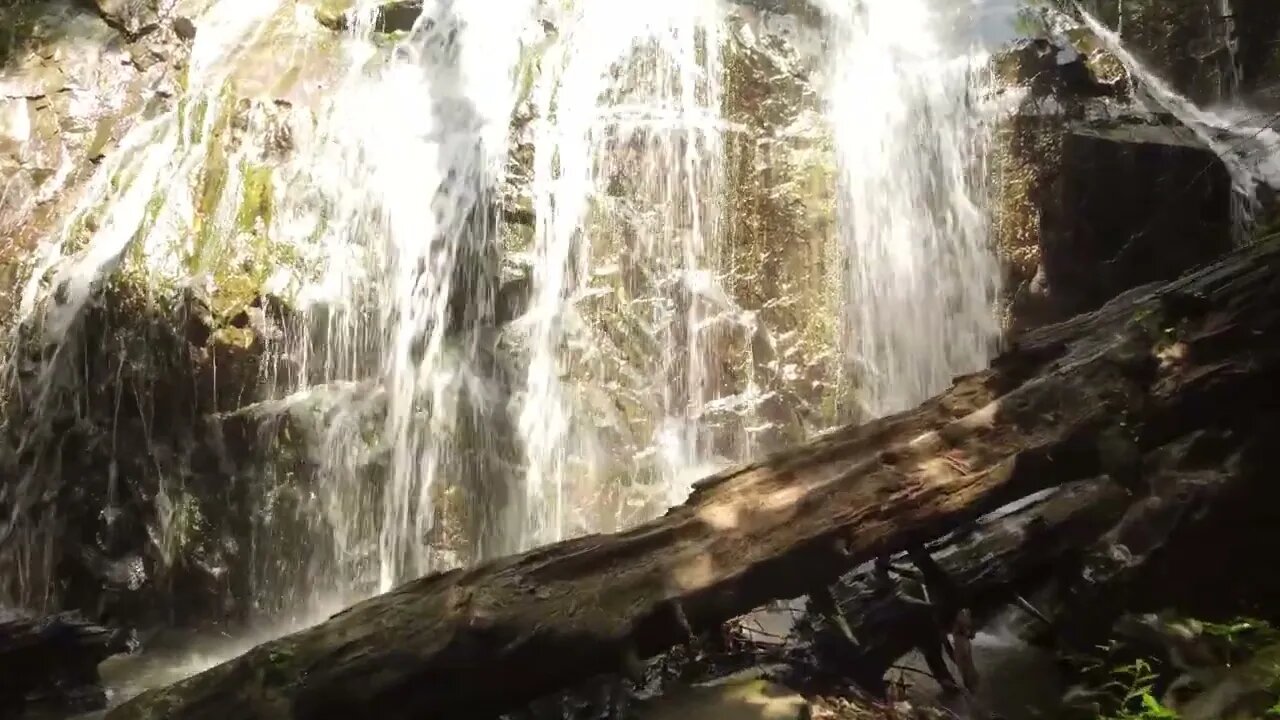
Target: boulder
x,y
1131,203
51,663
1085,178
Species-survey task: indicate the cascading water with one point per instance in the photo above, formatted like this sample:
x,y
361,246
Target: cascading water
x,y
920,277
414,152
626,194
371,196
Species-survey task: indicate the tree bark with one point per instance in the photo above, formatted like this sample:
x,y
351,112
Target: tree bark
x,y
1089,399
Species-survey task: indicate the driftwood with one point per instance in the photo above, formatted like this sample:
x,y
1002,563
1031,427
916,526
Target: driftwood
x,y
53,660
1093,399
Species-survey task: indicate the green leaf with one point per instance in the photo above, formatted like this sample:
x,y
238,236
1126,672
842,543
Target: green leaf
x,y
1154,708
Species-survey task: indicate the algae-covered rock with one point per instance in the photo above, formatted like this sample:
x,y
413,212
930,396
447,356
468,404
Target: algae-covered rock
x,y
134,499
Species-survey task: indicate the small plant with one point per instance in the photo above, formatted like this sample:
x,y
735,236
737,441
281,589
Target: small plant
x,y
1244,635
1122,690
1133,687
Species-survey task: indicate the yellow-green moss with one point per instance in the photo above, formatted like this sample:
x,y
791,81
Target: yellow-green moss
x,y
213,182
331,13
255,198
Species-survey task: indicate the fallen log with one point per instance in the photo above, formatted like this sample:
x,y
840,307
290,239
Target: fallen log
x,y
1088,552
988,565
53,661
1084,399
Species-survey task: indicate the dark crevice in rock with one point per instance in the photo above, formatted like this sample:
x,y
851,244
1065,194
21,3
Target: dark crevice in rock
x,y
391,17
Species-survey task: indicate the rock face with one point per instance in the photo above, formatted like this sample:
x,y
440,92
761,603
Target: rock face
x,y
1209,49
781,235
131,485
1096,193
122,496
72,82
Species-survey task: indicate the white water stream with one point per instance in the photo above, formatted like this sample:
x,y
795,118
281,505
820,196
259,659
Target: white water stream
x,y
921,278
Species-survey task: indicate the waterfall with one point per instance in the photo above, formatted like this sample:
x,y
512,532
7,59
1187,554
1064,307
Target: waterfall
x,y
366,188
627,195
418,137
920,277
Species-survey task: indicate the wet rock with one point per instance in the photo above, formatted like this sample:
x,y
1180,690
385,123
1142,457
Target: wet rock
x,y
1106,206
51,663
389,17
1094,192
1133,203
73,81
515,293
125,502
781,240
134,17
1209,50
184,28
1046,69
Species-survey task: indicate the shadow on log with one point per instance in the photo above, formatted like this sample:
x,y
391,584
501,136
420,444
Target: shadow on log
x,y
1093,398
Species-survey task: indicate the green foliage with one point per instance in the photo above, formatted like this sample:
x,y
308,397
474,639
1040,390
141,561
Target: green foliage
x,y
1133,685
1245,634
1248,649
1129,688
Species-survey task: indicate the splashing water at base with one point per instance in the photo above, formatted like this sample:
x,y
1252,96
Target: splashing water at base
x,y
920,279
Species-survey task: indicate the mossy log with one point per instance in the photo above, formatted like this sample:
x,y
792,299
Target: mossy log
x,y
1089,398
